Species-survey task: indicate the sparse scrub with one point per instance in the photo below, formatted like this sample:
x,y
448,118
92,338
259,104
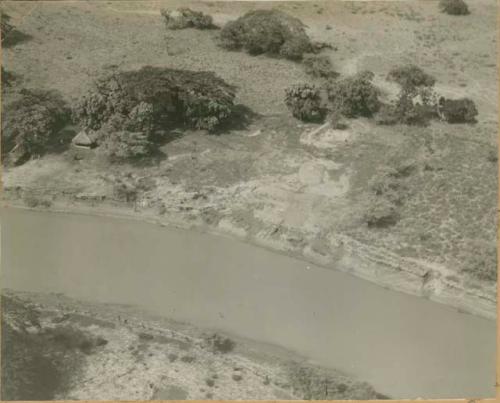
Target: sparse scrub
x,y
31,124
267,31
381,212
454,7
188,359
319,66
128,188
70,338
479,260
305,103
219,344
36,199
186,18
354,96
458,110
311,383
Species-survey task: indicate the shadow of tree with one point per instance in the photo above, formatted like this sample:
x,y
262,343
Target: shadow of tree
x,y
15,37
240,119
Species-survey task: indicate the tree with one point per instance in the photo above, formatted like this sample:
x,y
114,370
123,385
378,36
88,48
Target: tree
x,y
31,124
267,31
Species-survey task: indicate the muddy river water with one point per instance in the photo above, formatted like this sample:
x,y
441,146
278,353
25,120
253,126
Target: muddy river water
x,y
405,346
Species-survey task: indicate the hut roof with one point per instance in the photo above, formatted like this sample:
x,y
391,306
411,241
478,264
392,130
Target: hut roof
x,y
83,139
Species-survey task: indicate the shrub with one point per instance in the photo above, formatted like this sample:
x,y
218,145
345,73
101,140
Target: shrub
x,y
454,7
154,97
31,124
313,383
319,66
380,213
354,96
305,103
411,76
457,110
267,31
416,103
125,145
186,18
219,344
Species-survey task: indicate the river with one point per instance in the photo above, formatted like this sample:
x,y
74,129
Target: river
x,y
405,346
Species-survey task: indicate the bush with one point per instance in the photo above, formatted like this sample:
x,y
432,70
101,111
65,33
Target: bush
x,y
267,31
457,110
454,7
380,213
31,124
319,66
124,145
186,18
313,383
411,76
416,103
305,103
152,98
354,96
219,344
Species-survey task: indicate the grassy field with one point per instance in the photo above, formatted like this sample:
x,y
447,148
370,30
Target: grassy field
x,y
299,188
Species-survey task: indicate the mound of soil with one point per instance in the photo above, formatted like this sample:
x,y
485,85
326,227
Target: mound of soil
x,y
267,31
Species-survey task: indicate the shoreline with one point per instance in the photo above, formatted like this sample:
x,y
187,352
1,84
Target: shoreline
x,y
265,367
385,269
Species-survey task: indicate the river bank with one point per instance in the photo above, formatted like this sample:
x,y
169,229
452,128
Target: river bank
x,y
120,352
331,317
332,251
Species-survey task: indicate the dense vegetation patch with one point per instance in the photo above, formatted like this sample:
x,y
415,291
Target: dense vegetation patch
x,y
267,31
130,110
186,18
454,7
31,125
